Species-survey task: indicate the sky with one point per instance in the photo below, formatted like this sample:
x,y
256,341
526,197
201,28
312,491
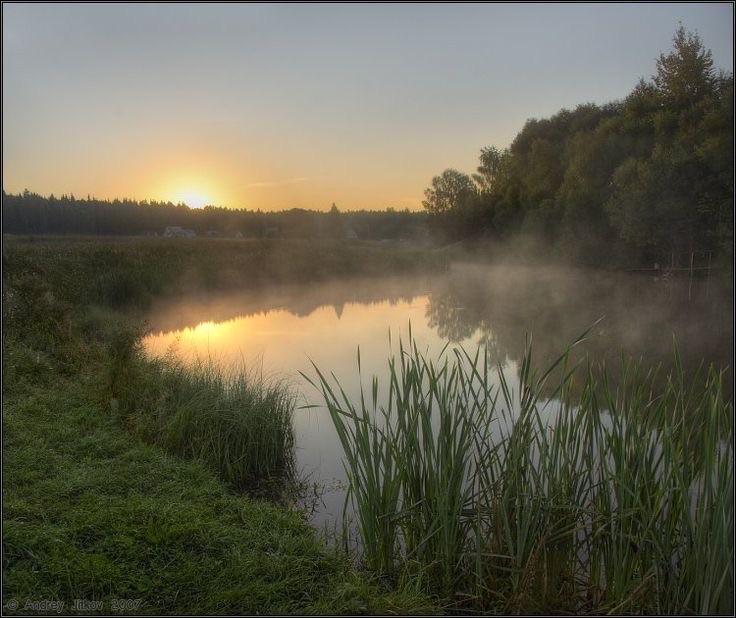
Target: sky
x,y
276,106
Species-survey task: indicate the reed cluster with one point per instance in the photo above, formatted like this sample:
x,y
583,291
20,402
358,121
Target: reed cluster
x,y
235,420
596,497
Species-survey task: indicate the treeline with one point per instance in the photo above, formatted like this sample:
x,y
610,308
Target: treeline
x,y
646,179
30,213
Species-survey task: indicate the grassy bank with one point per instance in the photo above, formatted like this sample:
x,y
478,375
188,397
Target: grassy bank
x,y
616,499
130,272
120,472
91,512
235,421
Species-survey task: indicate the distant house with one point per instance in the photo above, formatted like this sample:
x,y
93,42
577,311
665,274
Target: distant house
x,y
174,231
351,234
238,235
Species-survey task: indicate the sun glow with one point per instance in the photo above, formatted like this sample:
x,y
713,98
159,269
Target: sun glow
x,y
193,198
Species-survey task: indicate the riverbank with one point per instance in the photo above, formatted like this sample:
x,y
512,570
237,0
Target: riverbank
x,y
93,514
96,515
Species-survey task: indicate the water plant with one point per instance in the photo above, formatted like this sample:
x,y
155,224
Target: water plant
x,y
595,498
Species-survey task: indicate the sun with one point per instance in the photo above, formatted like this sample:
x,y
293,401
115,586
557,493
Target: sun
x,y
193,198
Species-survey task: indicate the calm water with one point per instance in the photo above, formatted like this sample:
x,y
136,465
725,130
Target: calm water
x,y
281,329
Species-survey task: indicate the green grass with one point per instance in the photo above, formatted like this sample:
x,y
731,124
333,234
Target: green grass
x,y
234,420
120,473
129,273
619,499
91,512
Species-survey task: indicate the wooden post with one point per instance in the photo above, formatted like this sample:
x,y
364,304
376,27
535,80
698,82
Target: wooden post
x,y
707,275
690,284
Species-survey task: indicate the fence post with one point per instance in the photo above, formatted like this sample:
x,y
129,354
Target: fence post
x,y
707,275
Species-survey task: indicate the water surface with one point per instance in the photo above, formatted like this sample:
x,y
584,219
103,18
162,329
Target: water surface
x,y
282,330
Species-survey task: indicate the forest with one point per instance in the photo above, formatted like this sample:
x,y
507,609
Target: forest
x,y
30,213
649,177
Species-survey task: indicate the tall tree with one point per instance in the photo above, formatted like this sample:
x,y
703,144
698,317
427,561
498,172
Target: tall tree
x,y
335,224
488,170
685,75
452,204
448,192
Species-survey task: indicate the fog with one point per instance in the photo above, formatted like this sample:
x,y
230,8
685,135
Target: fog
x,y
635,315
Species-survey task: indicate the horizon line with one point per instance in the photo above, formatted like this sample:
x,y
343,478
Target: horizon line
x,y
169,202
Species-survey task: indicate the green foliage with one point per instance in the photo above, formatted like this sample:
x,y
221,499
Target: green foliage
x,y
449,191
685,75
650,177
451,202
617,499
489,168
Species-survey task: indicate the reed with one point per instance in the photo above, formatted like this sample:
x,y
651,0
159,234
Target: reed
x,y
235,420
465,479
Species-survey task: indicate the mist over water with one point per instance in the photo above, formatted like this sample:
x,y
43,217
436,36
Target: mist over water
x,y
281,330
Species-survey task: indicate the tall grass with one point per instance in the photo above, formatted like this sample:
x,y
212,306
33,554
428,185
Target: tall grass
x,y
619,499
127,273
236,421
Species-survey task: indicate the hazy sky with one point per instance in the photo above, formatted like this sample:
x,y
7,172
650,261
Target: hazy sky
x,y
284,105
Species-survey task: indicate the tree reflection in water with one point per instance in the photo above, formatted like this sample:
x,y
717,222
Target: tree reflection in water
x,y
642,318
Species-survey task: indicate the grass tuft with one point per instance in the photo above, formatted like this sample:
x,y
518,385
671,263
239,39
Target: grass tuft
x,y
236,421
